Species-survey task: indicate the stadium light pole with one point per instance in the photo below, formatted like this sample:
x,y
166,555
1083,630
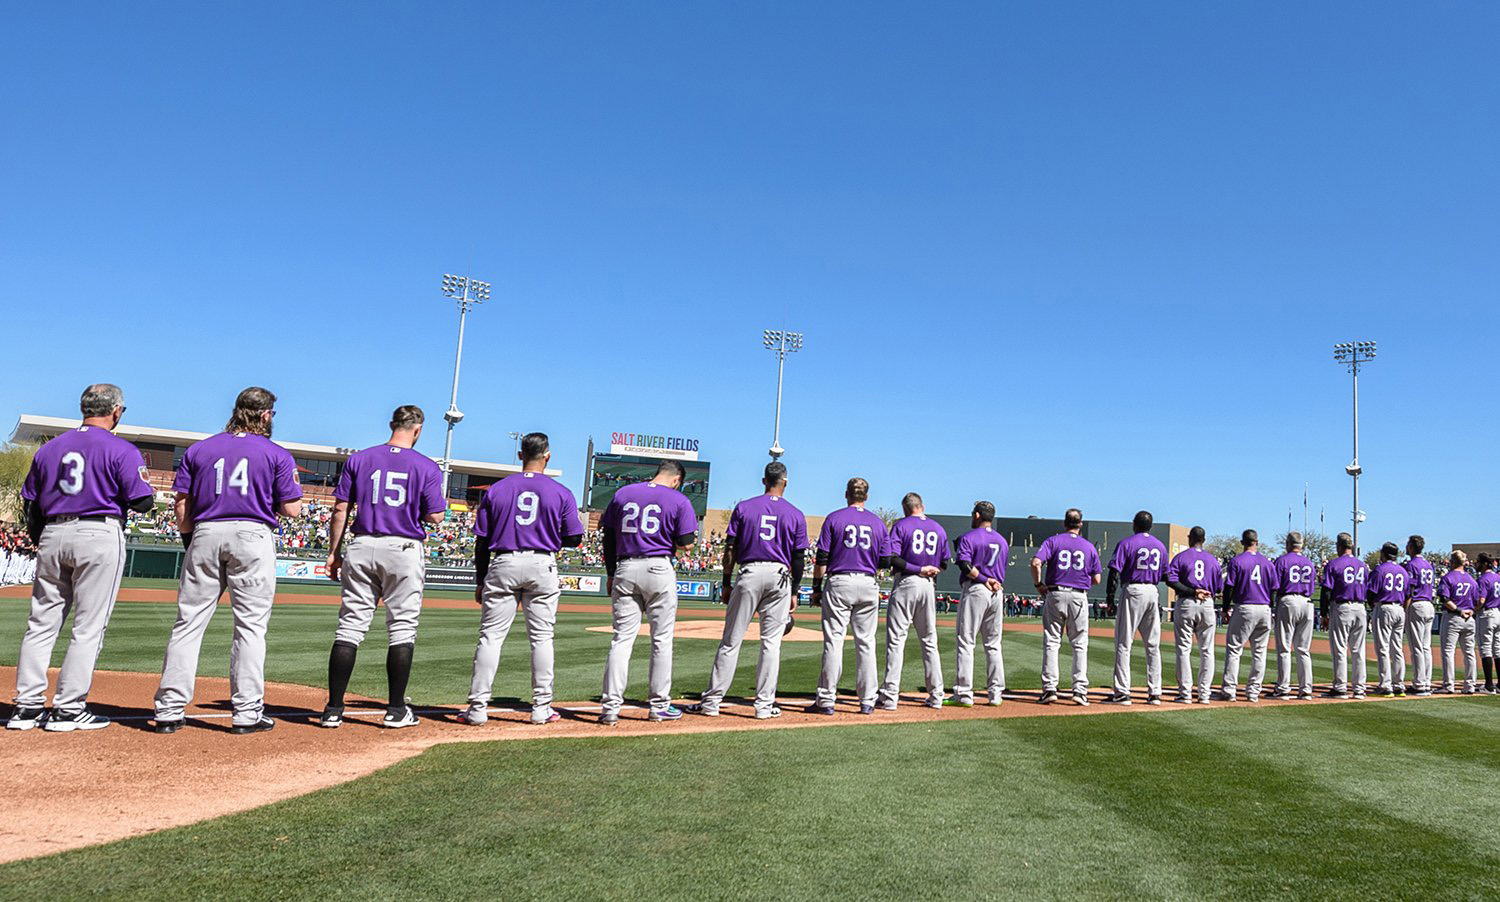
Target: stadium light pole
x,y
1355,354
469,293
783,343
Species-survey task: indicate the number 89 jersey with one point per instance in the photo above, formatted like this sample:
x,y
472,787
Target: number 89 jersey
x,y
86,472
237,476
527,512
392,489
919,542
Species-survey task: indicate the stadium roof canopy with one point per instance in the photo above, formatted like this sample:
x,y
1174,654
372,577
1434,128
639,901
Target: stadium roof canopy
x,y
36,428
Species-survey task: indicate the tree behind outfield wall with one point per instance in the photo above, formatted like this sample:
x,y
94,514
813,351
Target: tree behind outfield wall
x,y
1316,546
15,461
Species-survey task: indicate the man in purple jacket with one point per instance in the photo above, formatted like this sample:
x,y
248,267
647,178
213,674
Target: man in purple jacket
x,y
851,548
1295,576
982,555
1196,577
1419,615
1063,569
393,489
1250,581
74,499
1459,593
1138,566
1387,591
918,549
230,488
1343,597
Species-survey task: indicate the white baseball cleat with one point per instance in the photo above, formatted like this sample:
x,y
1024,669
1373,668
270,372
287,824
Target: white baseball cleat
x,y
26,718
767,713
78,720
475,715
396,719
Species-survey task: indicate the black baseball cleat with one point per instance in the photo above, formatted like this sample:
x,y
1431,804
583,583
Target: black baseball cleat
x,y
1117,698
819,709
85,719
332,719
396,718
260,726
609,718
168,726
27,718
867,709
1048,697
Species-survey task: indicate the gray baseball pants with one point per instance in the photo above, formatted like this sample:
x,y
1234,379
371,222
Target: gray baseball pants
x,y
1419,616
238,556
850,600
1347,623
1489,633
763,588
375,568
980,613
1247,623
1390,665
913,604
641,586
1068,609
1458,632
527,579
78,568
1194,621
1294,631
1139,612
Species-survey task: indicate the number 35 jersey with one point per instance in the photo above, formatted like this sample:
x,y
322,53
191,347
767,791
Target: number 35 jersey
x,y
86,472
854,541
237,476
919,542
767,529
391,489
647,519
527,512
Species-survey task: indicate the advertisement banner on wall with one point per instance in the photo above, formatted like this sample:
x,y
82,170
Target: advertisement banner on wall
x,y
692,588
462,577
306,570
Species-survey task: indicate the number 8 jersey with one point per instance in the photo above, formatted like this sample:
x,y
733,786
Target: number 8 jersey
x,y
237,476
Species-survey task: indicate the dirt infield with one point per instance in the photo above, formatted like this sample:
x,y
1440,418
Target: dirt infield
x,y
125,780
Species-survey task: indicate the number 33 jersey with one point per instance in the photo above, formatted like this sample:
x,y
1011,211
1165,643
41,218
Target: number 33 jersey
x,y
527,512
767,529
391,489
86,472
237,476
647,519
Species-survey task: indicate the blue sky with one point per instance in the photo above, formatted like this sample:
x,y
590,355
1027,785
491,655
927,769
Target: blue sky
x,y
1048,254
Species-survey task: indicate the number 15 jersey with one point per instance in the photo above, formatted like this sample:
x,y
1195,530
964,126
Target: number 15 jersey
x,y
527,512
392,489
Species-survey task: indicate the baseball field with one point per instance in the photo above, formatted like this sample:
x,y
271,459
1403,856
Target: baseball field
x,y
1384,798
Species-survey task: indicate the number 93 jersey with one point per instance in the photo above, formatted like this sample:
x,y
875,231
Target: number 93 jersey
x,y
527,512
1071,561
87,472
237,476
768,529
647,519
391,489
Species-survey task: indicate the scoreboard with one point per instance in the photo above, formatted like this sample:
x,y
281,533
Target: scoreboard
x,y
610,472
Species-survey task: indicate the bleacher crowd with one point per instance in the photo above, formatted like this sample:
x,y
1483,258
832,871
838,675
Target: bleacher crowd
x,y
17,556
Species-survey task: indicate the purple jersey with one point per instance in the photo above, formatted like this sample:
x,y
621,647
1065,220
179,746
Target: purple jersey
x,y
919,541
1489,589
854,540
1069,561
86,472
237,476
1295,574
1387,583
647,519
768,529
391,489
1253,578
1142,558
527,512
984,549
1197,569
1423,578
1460,588
1344,578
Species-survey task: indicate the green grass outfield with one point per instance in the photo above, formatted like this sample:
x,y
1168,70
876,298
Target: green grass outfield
x,y
1376,799
1388,800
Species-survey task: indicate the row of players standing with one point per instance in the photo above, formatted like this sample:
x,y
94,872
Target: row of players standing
x,y
231,486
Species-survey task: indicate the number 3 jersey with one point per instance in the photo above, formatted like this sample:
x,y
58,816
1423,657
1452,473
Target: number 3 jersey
x,y
237,476
854,540
527,512
647,519
767,528
391,489
919,542
986,550
87,472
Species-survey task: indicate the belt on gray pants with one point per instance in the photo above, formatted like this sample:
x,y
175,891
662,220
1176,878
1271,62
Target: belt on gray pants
x,y
523,551
646,557
90,518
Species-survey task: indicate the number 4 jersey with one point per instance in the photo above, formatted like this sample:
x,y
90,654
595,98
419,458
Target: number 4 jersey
x,y
237,476
648,519
767,528
391,489
86,472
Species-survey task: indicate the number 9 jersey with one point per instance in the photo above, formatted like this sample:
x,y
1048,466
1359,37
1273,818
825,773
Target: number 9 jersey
x,y
527,512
